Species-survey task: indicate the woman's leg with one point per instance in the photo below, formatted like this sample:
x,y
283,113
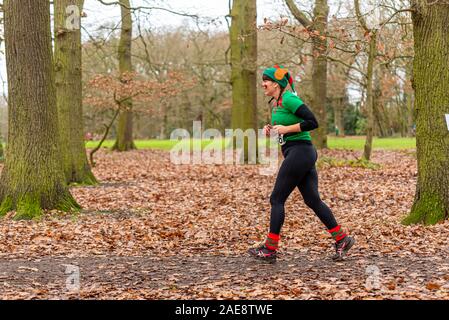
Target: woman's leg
x,y
309,190
286,182
298,161
308,187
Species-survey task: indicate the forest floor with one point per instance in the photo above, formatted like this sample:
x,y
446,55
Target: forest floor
x,y
155,230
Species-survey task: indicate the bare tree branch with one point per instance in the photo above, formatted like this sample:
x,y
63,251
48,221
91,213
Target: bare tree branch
x,y
148,8
299,15
360,18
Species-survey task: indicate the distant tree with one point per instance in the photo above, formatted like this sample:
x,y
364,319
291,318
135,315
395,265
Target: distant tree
x,y
371,35
124,140
112,93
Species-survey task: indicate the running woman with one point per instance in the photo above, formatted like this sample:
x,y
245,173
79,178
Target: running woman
x,y
293,121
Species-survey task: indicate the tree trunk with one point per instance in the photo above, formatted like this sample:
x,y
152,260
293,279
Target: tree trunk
x,y
69,92
370,98
339,106
243,36
124,141
32,178
319,74
410,104
403,111
164,124
410,118
378,113
319,68
431,84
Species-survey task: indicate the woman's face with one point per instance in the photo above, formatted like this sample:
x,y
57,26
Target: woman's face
x,y
270,88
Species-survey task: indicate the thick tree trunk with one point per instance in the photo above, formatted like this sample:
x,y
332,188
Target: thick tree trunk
x,y
319,74
124,141
32,178
431,84
319,69
243,36
69,92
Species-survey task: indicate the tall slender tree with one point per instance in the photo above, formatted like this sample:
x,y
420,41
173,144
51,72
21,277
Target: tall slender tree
x,y
372,53
431,84
69,90
32,178
124,140
318,30
243,36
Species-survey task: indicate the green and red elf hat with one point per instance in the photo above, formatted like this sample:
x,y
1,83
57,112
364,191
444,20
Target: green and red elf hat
x,y
280,75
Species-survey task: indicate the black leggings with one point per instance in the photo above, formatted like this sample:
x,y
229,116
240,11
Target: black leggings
x,y
298,170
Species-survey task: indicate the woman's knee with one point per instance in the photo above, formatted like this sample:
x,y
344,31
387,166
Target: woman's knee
x,y
313,202
276,199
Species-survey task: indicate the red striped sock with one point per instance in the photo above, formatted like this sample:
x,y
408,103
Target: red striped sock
x,y
337,233
272,241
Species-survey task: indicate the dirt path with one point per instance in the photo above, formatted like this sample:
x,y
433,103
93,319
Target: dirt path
x,y
295,276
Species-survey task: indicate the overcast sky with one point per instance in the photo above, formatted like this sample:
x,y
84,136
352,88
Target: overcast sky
x,y
99,14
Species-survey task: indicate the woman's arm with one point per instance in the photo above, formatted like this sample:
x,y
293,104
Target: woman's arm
x,y
309,123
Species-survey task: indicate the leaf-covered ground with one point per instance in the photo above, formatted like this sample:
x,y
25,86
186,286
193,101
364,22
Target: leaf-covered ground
x,y
156,230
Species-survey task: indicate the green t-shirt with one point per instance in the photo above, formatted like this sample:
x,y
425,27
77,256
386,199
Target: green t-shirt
x,y
285,115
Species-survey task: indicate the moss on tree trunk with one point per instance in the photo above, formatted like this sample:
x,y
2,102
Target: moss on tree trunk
x,y
124,140
431,84
32,178
68,79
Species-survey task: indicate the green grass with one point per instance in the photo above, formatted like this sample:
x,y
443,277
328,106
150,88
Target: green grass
x,y
351,143
324,162
147,144
140,144
357,143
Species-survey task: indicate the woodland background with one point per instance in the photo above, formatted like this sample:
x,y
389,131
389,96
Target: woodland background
x,y
92,206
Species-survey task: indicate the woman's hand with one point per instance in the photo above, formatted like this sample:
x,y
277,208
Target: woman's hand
x,y
281,129
287,129
266,129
